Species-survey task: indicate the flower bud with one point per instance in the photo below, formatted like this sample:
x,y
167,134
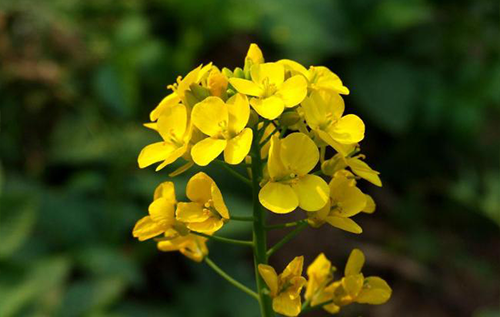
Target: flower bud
x,y
289,118
199,92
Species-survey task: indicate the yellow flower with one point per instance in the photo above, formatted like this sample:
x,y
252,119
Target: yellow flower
x,y
285,289
357,166
207,211
318,77
323,112
224,123
290,185
217,83
346,200
354,287
319,274
179,90
175,131
254,56
192,246
161,213
270,92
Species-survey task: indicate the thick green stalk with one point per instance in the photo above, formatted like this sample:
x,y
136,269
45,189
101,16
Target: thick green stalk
x,y
259,232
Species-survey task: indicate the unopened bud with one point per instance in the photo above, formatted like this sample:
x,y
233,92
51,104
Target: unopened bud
x,y
289,118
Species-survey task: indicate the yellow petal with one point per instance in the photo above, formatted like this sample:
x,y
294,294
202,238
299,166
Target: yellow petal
x,y
370,205
208,226
349,129
190,212
293,91
314,111
162,211
375,291
346,224
269,276
255,54
151,125
199,188
210,115
173,156
246,87
319,273
323,78
275,166
269,108
343,149
238,147
239,113
207,150
274,73
146,228
350,199
217,83
218,201
173,122
166,190
155,152
353,284
167,102
283,304
294,268
362,169
312,191
299,153
294,67
355,262
278,198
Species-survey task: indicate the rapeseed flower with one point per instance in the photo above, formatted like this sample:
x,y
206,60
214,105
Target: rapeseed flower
x,y
161,213
289,185
346,200
175,130
191,246
207,211
323,112
270,92
356,164
224,124
285,288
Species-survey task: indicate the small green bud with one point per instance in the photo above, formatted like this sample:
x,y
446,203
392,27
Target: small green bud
x,y
199,92
289,118
239,73
254,118
227,72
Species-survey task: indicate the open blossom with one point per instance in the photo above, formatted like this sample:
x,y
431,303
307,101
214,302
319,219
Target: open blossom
x,y
346,200
175,131
190,245
180,90
357,166
207,211
270,92
285,288
161,213
224,124
318,77
323,112
290,185
354,287
319,274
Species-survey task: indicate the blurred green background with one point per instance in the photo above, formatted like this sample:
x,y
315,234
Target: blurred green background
x,y
78,78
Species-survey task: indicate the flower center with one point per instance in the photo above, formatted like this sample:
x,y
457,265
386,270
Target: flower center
x,y
269,88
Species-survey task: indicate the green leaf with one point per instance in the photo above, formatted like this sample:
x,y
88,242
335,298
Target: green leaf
x,y
17,217
42,278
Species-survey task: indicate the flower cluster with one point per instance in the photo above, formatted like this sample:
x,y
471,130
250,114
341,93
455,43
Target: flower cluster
x,y
320,288
287,125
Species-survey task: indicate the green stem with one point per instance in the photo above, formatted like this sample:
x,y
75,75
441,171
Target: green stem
x,y
285,225
259,232
234,173
268,137
241,218
225,240
230,279
287,238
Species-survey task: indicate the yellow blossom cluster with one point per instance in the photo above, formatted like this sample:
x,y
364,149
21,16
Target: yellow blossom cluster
x,y
320,287
286,124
